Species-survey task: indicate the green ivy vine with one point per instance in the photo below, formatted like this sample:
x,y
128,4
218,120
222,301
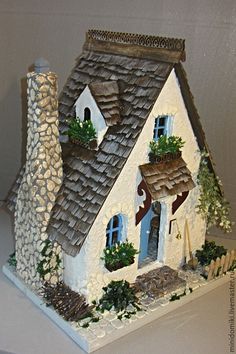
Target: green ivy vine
x,y
46,266
212,204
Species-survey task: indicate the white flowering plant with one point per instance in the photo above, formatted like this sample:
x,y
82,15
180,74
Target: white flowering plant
x,y
165,145
81,130
119,255
212,204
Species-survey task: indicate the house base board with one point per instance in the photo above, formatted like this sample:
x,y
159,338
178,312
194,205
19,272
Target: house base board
x,y
94,344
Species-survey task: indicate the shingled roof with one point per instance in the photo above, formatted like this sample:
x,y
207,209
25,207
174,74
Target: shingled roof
x,y
140,66
167,178
106,95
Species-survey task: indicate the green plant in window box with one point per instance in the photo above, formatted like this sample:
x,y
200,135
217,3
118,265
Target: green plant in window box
x,y
81,131
212,204
119,255
165,148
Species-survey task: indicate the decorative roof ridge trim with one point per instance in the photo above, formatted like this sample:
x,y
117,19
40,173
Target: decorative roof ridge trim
x,y
174,44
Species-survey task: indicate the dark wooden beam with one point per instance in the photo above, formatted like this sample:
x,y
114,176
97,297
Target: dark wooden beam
x,y
164,49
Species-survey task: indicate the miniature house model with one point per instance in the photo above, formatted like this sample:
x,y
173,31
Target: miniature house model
x,y
133,89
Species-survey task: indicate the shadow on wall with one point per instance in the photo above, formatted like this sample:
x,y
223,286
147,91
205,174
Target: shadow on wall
x,y
23,134
11,140
10,136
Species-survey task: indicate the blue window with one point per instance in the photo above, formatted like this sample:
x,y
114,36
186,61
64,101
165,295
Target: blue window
x,y
160,127
114,230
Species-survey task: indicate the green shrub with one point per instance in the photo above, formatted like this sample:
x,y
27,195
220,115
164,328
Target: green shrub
x,y
165,145
118,296
12,260
119,255
212,204
210,251
81,130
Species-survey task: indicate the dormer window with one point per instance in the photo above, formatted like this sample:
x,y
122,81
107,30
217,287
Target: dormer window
x,y
87,114
160,127
99,103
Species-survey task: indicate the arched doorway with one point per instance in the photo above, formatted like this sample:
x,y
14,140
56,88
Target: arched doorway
x,y
149,238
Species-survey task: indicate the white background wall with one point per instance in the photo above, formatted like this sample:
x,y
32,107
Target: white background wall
x,y
55,29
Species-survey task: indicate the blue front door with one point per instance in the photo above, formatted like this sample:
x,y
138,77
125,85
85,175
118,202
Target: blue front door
x,y
144,236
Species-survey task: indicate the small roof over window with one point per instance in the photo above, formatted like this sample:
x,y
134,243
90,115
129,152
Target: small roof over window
x,y
106,95
167,178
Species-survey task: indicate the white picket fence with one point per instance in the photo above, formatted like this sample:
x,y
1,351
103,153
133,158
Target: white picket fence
x,y
220,265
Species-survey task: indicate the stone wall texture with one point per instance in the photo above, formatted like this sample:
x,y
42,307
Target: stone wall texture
x,y
42,178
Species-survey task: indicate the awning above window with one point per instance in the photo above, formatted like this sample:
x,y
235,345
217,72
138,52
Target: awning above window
x,y
167,178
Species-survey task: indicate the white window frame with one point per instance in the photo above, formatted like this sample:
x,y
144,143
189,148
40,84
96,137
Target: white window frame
x,y
167,127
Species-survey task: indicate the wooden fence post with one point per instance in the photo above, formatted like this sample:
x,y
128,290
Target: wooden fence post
x,y
226,265
216,267
211,270
231,259
222,263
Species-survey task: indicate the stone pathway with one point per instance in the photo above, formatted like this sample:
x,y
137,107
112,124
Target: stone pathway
x,y
159,282
109,327
149,303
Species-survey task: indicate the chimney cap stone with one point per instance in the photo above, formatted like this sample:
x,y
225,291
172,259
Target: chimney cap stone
x,y
41,65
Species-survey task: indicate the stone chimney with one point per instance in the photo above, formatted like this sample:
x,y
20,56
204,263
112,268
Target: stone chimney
x,y
43,173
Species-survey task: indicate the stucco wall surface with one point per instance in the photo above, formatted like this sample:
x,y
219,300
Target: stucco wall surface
x,y
86,272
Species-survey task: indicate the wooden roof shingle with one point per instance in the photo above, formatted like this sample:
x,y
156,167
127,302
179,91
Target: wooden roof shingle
x,y
106,95
167,178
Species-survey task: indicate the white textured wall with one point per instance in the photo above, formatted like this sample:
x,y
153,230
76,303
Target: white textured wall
x,y
86,272
86,100
173,104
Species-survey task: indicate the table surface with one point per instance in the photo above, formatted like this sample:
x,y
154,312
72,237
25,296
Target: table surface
x,y
199,327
